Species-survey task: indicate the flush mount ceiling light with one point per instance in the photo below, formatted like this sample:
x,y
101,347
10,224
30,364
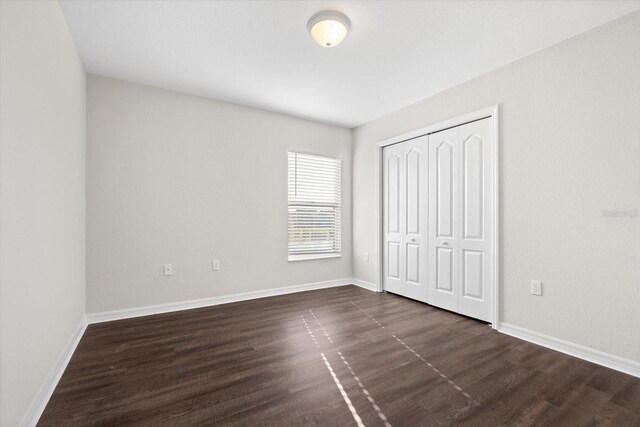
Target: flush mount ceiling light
x,y
328,28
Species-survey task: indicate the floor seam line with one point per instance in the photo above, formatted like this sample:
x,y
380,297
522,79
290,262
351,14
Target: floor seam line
x,y
336,380
421,358
366,393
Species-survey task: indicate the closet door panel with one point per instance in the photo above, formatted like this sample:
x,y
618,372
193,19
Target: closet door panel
x,y
393,211
416,178
475,242
472,274
393,260
405,218
444,164
413,263
443,226
444,270
413,191
472,189
393,196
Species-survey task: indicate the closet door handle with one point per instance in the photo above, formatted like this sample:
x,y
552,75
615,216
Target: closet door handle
x,y
445,243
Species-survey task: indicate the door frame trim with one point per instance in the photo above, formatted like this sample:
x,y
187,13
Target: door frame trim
x,y
493,112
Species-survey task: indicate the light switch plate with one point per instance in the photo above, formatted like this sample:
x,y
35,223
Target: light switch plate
x,y
215,265
366,256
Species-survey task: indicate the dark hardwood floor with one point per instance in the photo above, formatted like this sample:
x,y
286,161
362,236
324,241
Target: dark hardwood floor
x,y
332,357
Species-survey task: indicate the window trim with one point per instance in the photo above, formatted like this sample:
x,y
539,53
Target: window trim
x,y
296,258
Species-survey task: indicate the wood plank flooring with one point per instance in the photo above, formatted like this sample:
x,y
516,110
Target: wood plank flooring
x,y
334,357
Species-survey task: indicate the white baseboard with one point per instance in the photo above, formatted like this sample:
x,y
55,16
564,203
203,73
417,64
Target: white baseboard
x,y
582,352
128,313
42,398
363,284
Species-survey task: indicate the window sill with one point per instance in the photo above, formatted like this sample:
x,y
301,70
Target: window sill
x,y
313,256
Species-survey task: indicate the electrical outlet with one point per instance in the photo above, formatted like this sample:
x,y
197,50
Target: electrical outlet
x,y
536,287
366,256
216,265
168,270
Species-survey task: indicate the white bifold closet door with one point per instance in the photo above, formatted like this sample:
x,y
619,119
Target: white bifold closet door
x,y
460,219
405,214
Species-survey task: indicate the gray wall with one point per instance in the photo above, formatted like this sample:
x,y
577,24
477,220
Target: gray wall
x,y
178,179
570,148
42,192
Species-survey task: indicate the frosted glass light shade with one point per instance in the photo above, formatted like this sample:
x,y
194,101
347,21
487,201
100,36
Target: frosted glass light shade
x,y
328,29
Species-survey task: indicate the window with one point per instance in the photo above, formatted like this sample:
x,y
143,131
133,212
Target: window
x,y
314,206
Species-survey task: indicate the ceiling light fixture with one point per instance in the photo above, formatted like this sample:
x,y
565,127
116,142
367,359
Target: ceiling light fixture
x,y
328,28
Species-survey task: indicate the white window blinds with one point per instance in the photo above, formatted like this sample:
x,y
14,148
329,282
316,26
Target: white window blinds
x,y
314,206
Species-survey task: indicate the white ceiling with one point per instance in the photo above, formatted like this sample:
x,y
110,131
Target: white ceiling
x,y
258,53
